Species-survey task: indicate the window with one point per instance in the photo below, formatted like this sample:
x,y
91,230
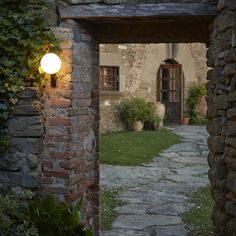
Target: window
x,y
109,78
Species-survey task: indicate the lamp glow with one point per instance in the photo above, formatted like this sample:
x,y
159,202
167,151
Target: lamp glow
x,y
50,63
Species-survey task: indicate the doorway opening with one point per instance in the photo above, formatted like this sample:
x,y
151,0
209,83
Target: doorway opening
x,y
170,86
122,24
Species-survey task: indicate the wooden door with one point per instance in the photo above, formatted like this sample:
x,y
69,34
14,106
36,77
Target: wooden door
x,y
169,91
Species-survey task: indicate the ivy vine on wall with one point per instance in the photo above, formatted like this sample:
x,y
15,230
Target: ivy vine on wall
x,y
24,39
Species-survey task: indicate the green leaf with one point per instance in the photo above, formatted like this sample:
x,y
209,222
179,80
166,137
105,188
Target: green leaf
x,y
88,232
48,203
3,107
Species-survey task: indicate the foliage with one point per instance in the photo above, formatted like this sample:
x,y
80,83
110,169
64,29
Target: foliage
x,y
52,218
24,39
108,203
5,143
44,217
136,109
9,221
131,148
198,218
193,100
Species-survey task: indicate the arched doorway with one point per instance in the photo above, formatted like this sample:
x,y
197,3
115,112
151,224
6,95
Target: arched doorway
x,y
170,81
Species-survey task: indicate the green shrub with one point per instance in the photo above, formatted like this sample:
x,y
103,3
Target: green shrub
x,y
195,94
52,218
44,217
136,109
10,224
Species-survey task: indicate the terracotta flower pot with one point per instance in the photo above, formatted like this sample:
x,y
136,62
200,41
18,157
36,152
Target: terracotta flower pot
x,y
137,126
185,120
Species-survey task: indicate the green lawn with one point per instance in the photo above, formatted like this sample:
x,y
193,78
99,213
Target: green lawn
x,y
198,219
108,203
134,148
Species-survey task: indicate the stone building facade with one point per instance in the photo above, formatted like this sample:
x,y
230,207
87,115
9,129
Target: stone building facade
x,y
65,145
139,65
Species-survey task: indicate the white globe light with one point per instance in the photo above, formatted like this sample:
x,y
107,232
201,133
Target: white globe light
x,y
50,63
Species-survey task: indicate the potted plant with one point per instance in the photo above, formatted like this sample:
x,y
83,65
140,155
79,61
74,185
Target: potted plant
x,y
135,112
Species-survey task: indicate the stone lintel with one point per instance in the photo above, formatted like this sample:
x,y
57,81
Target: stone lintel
x,y
121,11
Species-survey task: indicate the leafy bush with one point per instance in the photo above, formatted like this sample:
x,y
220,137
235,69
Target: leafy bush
x,y
193,100
136,109
44,217
52,218
10,224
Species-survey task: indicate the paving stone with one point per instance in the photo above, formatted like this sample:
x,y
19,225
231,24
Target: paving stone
x,y
156,193
177,230
138,222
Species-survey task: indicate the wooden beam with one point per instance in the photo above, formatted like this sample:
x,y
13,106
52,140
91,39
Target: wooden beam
x,y
152,32
119,11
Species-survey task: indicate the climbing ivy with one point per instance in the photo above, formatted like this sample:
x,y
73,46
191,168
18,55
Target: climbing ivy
x,y
24,39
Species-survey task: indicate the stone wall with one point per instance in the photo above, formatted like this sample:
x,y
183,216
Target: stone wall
x,y
70,157
21,167
221,114
138,68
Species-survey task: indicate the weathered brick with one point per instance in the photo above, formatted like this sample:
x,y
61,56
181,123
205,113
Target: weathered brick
x,y
70,164
72,197
59,103
58,121
56,173
61,154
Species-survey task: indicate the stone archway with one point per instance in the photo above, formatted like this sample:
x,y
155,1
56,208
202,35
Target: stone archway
x,y
93,24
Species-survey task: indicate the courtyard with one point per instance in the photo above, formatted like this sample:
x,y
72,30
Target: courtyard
x,y
155,194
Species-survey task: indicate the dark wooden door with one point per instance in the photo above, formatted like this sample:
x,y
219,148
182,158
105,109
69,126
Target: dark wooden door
x,y
169,91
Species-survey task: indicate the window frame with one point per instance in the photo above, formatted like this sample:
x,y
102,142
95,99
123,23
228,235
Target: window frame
x,y
115,73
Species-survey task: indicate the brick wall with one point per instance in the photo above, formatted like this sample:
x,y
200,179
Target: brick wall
x,y
70,160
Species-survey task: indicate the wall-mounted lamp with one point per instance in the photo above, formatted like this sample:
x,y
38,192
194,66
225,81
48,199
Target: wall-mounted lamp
x,y
51,64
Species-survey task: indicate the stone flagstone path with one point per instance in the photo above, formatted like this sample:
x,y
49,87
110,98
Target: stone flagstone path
x,y
155,193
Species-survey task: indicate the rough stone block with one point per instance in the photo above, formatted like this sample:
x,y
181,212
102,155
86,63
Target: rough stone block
x,y
216,144
230,55
230,163
8,178
231,226
230,141
230,208
232,111
231,181
233,39
26,145
31,180
29,110
231,128
32,160
31,93
229,69
230,151
219,197
222,101
226,20
28,126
